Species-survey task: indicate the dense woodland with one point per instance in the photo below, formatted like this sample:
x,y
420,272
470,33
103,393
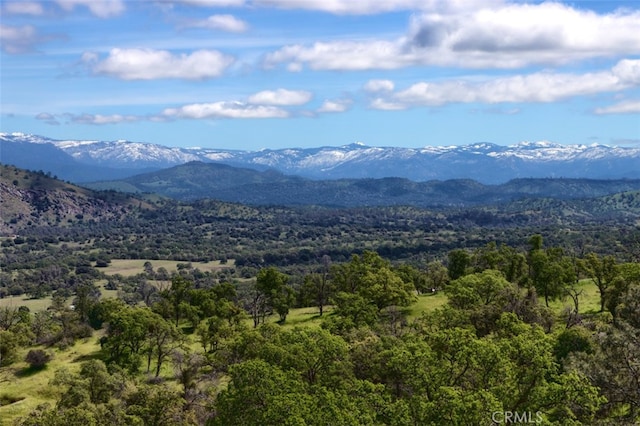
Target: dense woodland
x,y
224,345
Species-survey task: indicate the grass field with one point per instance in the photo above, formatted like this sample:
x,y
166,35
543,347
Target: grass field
x,y
37,305
17,381
34,305
589,299
426,303
302,317
129,267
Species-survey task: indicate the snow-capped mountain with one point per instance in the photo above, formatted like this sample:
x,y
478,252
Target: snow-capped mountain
x,y
484,162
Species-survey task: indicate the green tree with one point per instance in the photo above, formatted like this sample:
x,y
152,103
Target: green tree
x,y
458,264
87,295
8,347
372,277
155,405
273,292
317,286
177,296
126,336
476,289
162,338
317,355
550,271
602,271
262,394
436,276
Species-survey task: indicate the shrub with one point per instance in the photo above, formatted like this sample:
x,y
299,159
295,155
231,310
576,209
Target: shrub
x,y
37,358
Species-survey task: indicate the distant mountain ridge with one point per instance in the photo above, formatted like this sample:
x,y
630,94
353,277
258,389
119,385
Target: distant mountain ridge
x,y
484,162
197,180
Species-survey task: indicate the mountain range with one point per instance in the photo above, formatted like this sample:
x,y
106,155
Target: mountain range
x,y
35,200
91,160
198,180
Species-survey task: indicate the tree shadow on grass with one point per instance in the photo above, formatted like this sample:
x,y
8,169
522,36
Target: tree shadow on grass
x,y
29,371
88,357
6,399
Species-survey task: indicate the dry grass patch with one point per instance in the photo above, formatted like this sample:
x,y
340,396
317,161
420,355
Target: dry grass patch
x,y
130,267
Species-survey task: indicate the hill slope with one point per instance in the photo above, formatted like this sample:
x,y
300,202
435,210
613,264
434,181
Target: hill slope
x,y
209,180
36,199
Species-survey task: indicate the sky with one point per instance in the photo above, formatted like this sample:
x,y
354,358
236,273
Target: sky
x,y
272,74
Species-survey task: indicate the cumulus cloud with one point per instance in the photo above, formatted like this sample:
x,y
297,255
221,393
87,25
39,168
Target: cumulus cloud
x,y
281,97
212,3
628,70
370,7
18,39
149,64
386,105
515,35
495,36
379,86
342,55
536,87
24,8
339,105
225,110
99,8
227,23
626,107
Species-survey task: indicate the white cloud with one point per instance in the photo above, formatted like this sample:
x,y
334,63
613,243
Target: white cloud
x,y
99,119
379,86
340,105
24,8
18,39
370,7
225,110
626,107
386,105
149,64
536,87
628,70
281,97
342,55
99,8
212,3
515,35
494,36
220,22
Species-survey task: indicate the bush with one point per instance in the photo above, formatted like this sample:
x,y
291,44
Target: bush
x,y
37,358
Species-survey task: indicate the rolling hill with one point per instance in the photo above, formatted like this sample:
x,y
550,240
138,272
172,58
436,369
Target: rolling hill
x,y
37,199
196,180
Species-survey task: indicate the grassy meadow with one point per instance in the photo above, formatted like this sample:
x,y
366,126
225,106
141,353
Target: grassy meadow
x,y
30,388
130,267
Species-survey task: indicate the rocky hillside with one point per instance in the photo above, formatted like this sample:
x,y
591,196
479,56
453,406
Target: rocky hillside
x,y
36,199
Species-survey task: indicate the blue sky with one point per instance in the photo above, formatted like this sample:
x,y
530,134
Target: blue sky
x,y
253,74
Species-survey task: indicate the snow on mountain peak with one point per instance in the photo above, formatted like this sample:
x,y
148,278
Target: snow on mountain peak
x,y
523,159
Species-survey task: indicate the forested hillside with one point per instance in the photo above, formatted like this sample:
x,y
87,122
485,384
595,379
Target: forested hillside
x,y
196,180
214,313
